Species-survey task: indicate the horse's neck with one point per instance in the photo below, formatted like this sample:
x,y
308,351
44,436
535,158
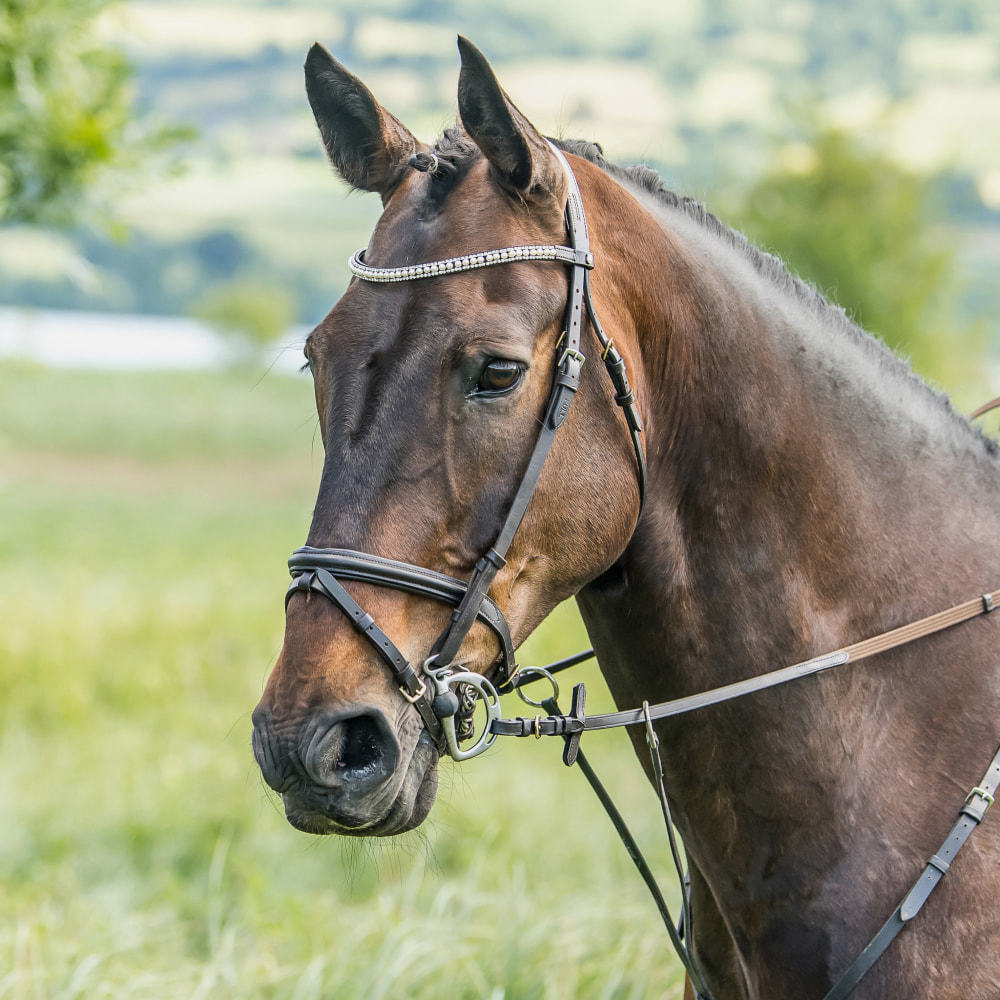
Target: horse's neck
x,y
802,481
805,489
804,493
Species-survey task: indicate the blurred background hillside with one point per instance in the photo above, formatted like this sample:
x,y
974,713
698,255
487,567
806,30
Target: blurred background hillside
x,y
720,97
164,205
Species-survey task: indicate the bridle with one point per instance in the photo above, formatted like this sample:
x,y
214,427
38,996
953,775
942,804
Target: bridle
x,y
320,570
316,569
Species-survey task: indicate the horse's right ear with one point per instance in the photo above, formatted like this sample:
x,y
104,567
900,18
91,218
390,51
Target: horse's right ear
x,y
521,158
367,146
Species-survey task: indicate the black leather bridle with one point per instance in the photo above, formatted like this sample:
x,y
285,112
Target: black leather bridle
x,y
320,570
317,569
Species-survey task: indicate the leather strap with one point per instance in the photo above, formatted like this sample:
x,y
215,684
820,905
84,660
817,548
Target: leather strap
x,y
679,706
985,408
349,564
321,581
624,396
564,387
970,816
632,848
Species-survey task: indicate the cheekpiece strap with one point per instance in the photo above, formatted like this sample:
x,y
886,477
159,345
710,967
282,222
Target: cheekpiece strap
x,y
566,381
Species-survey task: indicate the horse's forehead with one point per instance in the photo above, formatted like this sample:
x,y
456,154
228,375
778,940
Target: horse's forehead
x,y
472,214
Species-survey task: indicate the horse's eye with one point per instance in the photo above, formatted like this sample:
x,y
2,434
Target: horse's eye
x,y
499,376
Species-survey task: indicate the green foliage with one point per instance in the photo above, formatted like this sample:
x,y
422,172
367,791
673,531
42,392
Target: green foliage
x,y
866,232
65,110
253,313
142,856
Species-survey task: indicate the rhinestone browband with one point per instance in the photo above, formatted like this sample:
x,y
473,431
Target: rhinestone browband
x,y
468,262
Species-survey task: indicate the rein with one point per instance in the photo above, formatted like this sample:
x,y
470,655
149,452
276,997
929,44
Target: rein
x,y
451,692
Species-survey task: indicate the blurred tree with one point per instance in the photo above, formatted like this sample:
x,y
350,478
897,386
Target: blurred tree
x,y
867,233
66,111
251,313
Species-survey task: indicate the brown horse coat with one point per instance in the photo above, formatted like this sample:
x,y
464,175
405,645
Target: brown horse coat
x,y
806,490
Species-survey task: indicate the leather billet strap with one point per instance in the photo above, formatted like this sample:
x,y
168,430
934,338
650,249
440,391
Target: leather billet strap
x,y
970,816
415,690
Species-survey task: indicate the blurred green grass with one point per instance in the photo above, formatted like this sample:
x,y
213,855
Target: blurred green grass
x,y
144,524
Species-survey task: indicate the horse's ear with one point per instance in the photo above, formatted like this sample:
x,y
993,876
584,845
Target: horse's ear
x,y
366,145
521,158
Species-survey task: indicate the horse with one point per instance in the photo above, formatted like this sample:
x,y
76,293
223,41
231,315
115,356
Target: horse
x,y
804,489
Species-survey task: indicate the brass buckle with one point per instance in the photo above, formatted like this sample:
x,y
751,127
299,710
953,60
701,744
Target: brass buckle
x,y
568,352
421,692
983,794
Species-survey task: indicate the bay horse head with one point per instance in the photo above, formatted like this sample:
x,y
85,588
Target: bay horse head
x,y
431,395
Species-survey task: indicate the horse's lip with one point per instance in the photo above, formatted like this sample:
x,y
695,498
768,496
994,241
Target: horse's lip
x,y
309,819
321,825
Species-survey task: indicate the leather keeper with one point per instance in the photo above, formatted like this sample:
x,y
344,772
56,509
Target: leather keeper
x,y
578,714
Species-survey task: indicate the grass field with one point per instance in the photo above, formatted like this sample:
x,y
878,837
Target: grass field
x,y
144,525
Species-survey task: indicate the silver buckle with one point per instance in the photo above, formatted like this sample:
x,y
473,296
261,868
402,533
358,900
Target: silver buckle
x,y
983,794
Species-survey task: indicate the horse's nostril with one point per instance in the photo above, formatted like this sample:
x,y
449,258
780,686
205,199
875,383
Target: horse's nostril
x,y
359,750
354,754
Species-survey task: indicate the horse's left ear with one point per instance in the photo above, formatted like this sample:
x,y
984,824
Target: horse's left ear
x,y
521,158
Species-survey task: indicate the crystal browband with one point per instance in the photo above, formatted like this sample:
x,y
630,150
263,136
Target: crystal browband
x,y
468,262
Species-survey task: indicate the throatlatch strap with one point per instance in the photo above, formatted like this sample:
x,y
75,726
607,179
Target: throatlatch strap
x,y
970,816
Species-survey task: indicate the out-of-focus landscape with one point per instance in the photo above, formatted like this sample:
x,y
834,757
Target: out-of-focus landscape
x,y
159,453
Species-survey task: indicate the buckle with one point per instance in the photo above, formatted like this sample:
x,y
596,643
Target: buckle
x,y
570,353
421,692
983,794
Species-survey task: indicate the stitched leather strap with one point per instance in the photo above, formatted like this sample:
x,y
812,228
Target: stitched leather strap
x,y
970,816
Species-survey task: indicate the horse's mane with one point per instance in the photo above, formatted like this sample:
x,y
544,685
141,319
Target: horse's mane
x,y
459,149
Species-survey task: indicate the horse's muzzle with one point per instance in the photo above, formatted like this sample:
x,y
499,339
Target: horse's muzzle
x,y
334,763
